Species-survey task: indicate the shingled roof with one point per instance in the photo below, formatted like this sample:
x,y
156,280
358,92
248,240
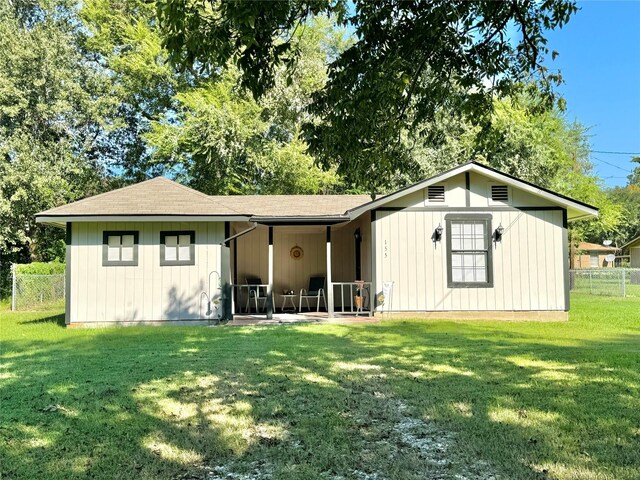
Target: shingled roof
x,y
161,196
595,247
158,196
293,205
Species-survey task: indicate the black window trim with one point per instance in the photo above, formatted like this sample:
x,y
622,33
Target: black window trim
x,y
192,248
488,237
105,248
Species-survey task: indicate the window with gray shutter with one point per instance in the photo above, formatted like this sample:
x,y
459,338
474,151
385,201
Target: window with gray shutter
x,y
500,193
435,193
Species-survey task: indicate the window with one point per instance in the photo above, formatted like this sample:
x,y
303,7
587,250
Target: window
x,y
469,251
120,248
177,248
500,193
594,260
435,193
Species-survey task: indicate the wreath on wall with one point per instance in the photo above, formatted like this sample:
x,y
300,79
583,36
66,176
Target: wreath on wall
x,y
296,253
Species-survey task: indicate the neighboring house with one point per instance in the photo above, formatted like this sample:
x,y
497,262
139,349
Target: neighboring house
x,y
633,250
592,255
469,243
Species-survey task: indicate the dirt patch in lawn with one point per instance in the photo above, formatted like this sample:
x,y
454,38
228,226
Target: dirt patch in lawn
x,y
389,433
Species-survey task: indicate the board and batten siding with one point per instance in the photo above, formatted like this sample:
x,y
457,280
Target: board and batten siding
x,y
253,261
528,268
147,292
529,264
291,274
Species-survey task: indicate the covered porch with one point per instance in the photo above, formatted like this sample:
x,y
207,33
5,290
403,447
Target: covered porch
x,y
328,262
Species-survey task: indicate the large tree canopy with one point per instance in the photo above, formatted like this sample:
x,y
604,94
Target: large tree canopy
x,y
411,58
89,101
51,122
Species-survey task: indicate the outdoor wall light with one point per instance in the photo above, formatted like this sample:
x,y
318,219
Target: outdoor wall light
x,y
437,234
497,235
357,235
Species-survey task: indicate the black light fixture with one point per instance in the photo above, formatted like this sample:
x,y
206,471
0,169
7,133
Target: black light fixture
x,y
497,235
357,235
437,234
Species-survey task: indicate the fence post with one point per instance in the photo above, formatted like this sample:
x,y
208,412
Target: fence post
x,y
13,287
590,283
624,282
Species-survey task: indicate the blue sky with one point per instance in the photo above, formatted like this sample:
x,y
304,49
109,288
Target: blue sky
x,y
600,63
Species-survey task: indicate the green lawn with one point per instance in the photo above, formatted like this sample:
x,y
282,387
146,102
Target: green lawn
x,y
395,400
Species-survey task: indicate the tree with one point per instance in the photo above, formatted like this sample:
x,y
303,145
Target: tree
x,y
410,60
221,140
629,197
122,40
634,177
523,139
50,121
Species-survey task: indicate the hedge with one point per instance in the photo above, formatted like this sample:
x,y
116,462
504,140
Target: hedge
x,y
40,268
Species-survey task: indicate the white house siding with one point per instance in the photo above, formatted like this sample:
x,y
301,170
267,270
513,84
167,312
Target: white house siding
x,y
252,254
343,263
479,195
634,257
148,291
528,264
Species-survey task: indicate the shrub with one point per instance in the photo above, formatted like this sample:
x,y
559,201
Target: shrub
x,y
40,268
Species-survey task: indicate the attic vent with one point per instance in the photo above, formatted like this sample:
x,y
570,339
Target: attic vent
x,y
435,193
499,193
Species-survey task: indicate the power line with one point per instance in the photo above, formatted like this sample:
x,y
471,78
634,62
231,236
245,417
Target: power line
x,y
610,164
616,153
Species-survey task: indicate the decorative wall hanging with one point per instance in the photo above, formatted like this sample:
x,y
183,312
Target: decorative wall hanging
x,y
296,253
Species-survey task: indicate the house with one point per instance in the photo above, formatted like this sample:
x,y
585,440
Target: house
x,y
471,242
593,255
632,248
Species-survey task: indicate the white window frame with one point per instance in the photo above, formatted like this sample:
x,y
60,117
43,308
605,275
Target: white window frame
x,y
120,241
487,251
185,242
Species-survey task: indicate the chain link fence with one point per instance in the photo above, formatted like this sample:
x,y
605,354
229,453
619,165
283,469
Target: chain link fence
x,y
610,282
36,291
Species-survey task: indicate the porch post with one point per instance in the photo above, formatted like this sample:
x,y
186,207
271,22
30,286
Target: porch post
x,y
374,287
270,281
329,292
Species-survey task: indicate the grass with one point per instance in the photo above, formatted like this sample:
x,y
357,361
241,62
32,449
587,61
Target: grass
x,y
395,400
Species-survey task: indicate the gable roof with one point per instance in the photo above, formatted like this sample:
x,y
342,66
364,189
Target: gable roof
x,y
158,196
161,197
633,243
576,209
596,247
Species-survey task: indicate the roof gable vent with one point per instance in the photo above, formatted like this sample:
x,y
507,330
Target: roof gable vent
x,y
435,193
500,193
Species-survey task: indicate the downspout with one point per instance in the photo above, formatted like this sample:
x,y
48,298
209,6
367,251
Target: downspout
x,y
228,289
239,234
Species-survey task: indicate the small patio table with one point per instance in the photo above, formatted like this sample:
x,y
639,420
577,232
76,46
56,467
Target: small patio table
x,y
292,300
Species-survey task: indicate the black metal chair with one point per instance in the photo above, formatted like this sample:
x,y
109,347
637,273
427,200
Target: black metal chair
x,y
315,291
257,292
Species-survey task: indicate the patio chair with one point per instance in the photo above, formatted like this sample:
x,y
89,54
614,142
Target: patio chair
x,y
257,293
315,291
